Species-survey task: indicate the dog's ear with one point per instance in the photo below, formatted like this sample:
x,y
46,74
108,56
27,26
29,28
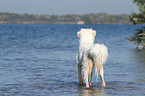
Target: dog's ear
x,y
78,34
94,33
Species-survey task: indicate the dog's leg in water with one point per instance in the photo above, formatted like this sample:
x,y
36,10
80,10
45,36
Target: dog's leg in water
x,y
102,77
87,82
90,71
80,74
86,76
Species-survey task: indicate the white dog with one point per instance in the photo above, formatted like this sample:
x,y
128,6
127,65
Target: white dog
x,y
90,56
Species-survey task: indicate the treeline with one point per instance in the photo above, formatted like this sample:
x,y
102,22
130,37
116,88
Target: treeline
x,y
99,18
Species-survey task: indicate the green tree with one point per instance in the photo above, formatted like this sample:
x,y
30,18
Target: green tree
x,y
139,37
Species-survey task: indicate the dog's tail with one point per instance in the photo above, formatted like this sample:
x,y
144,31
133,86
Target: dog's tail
x,y
98,53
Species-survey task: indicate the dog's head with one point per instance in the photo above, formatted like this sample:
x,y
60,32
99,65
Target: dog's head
x,y
86,32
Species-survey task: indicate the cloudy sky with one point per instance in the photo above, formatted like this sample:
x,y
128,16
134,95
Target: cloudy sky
x,y
63,7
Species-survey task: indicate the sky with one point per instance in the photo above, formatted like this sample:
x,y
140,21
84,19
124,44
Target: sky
x,y
65,7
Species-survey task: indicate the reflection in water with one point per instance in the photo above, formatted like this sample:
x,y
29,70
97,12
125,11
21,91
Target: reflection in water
x,y
139,55
90,91
143,55
139,66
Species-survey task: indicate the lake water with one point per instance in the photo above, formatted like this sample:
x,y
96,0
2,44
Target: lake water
x,y
39,60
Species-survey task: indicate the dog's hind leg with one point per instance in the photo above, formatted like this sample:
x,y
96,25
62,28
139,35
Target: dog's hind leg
x,y
90,71
86,79
80,74
86,75
102,76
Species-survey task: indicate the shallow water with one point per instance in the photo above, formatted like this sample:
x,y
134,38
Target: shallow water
x,y
39,60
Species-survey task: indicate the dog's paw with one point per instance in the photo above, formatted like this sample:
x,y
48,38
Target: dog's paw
x,y
81,83
103,84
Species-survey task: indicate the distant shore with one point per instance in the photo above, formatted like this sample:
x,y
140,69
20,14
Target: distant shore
x,y
99,18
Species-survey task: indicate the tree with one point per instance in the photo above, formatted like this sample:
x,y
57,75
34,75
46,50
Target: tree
x,y
139,37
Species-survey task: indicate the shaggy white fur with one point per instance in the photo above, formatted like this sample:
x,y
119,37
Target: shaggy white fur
x,y
90,56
